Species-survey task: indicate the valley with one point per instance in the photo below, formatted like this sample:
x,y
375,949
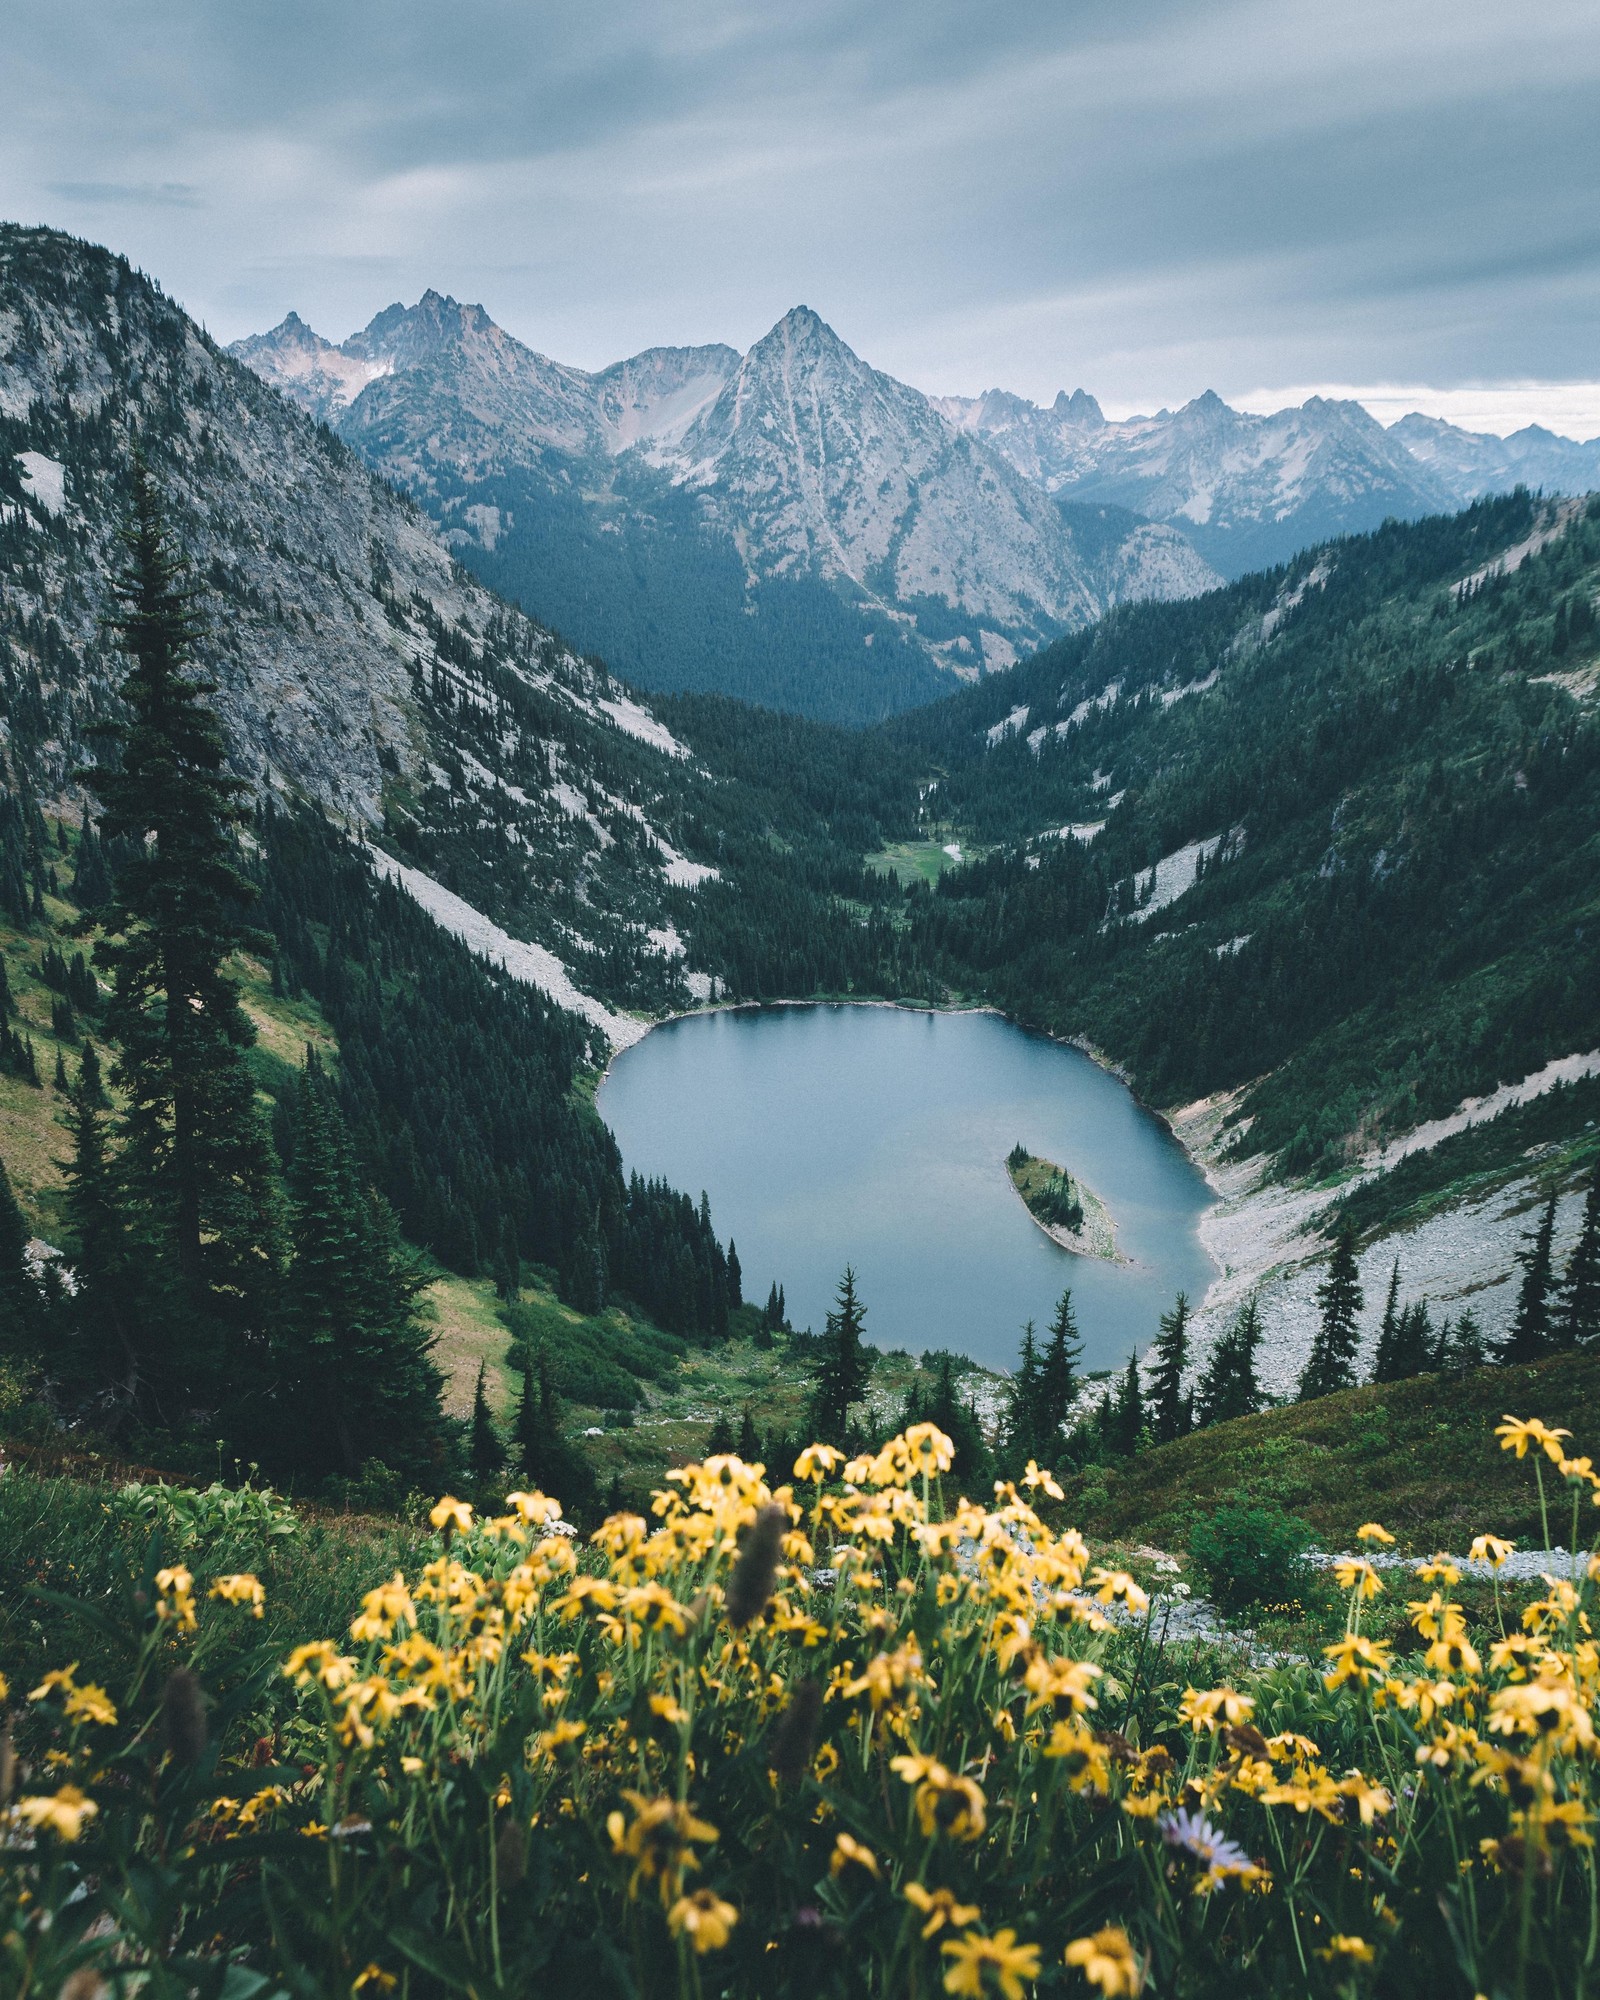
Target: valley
x,y
1208,838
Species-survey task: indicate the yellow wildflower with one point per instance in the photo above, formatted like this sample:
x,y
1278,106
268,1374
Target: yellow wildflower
x,y
940,1907
1356,1573
373,1975
1112,1586
1517,1433
1355,1658
1210,1708
972,1959
64,1813
1342,1945
529,1507
176,1587
850,1852
1440,1569
1370,1800
659,1839
451,1515
382,1609
1490,1549
1034,1479
1374,1531
928,1449
704,1919
89,1704
241,1589
1109,1961
817,1462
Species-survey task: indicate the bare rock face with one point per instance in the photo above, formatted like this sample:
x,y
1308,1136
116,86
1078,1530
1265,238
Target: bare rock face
x,y
799,460
358,667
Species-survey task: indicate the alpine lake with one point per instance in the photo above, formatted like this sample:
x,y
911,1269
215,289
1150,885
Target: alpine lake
x,y
877,1137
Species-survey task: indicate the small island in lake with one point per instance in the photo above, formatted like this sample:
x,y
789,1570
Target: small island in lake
x,y
1069,1212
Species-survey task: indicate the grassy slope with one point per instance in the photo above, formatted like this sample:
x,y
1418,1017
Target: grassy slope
x,y
1420,1456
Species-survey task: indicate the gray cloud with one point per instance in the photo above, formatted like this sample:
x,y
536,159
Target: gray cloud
x,y
1151,199
96,194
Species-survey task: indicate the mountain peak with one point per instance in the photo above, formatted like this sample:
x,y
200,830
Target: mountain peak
x,y
1078,408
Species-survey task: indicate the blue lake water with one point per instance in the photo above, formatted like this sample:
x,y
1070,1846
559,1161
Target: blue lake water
x,y
877,1136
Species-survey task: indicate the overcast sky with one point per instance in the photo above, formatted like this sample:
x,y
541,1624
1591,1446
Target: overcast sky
x,y
1146,197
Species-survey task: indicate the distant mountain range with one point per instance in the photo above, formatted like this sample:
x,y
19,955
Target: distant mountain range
x,y
795,526
789,524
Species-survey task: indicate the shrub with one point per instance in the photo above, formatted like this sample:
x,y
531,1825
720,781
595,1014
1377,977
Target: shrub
x,y
1252,1554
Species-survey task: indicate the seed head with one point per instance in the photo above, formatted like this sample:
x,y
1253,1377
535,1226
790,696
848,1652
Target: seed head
x,y
750,1585
183,1717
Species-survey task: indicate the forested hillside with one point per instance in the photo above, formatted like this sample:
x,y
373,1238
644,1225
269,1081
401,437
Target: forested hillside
x,y
1333,834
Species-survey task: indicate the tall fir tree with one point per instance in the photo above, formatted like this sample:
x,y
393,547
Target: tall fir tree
x,y
843,1368
1228,1384
1331,1365
1461,1345
1578,1312
355,1377
1531,1325
486,1455
1058,1377
1019,1440
1383,1360
1126,1425
1169,1411
195,1156
113,1283
546,1457
19,1292
940,1403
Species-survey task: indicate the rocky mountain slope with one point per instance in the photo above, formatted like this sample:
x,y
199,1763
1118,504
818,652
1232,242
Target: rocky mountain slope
x,y
790,524
678,510
1250,491
358,665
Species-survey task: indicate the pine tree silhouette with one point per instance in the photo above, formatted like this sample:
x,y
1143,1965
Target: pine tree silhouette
x,y
1578,1314
1170,1412
1228,1386
1331,1365
844,1367
1530,1334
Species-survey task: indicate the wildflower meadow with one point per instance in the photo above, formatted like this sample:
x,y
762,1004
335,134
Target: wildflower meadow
x,y
846,1734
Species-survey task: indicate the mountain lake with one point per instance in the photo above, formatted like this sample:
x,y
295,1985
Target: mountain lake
x,y
877,1136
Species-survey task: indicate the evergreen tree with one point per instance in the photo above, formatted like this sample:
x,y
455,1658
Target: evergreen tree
x,y
772,1312
553,1464
19,1293
1058,1376
735,1277
91,878
116,1282
1228,1386
1414,1346
1578,1314
843,1368
1531,1328
89,1077
749,1445
59,1082
486,1455
1019,1430
1331,1365
720,1440
940,1403
1383,1360
1170,1411
355,1377
1125,1424
195,1157
1461,1346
